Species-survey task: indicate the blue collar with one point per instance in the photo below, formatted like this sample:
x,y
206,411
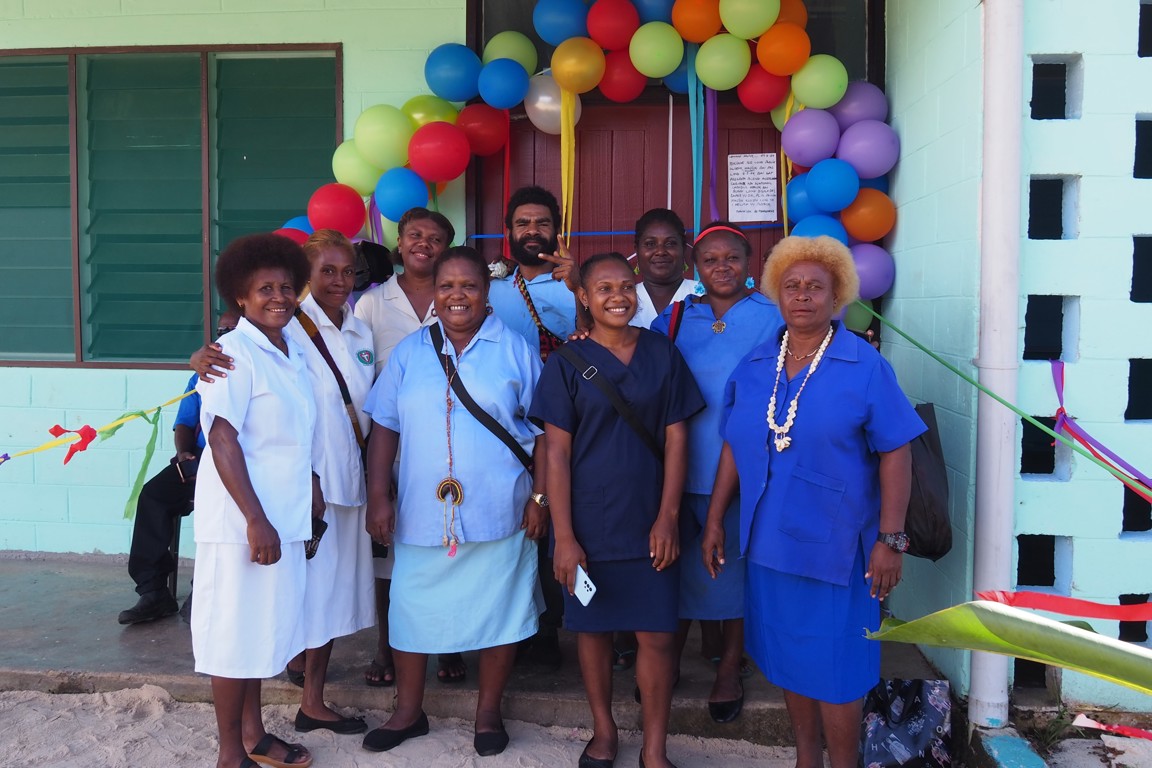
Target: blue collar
x,y
842,347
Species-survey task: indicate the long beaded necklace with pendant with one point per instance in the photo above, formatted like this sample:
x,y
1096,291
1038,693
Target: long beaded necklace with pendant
x,y
781,439
449,486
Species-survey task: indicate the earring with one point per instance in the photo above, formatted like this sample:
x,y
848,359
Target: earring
x,y
488,309
749,283
699,289
432,311
585,307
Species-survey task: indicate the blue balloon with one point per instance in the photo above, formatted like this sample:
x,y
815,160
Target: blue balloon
x,y
796,194
503,83
398,190
880,183
654,10
558,20
832,184
819,224
677,82
299,222
452,71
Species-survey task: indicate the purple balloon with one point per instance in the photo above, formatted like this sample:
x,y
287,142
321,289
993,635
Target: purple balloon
x,y
810,136
862,101
870,146
876,269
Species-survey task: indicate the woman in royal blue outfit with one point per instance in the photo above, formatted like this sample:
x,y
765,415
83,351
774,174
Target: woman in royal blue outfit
x,y
615,502
816,434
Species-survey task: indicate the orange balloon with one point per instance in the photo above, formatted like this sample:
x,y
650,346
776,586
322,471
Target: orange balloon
x,y
578,64
870,216
783,49
696,20
793,12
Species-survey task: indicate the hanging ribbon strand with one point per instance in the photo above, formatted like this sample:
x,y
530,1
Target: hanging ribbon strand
x,y
567,161
1069,606
711,121
696,119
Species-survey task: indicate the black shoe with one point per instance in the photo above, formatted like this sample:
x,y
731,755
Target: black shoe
x,y
186,609
305,723
587,761
490,742
726,711
150,606
383,739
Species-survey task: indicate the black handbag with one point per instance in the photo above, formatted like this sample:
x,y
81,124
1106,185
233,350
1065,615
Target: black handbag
x,y
927,524
907,724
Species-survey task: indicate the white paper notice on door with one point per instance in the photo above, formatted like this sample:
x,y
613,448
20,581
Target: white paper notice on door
x,y
752,187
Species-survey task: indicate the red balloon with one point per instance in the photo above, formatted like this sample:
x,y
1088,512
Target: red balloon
x,y
338,207
439,151
761,91
621,82
295,235
486,128
611,23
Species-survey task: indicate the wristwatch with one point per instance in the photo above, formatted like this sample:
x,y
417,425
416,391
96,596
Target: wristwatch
x,y
541,499
897,541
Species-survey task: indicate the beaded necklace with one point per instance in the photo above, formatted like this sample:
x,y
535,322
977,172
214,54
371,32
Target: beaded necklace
x,y
450,486
781,439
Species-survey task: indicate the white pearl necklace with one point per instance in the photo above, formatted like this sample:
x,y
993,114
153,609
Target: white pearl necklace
x,y
781,439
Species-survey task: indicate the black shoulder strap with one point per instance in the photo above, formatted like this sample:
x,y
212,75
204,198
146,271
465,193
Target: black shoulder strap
x,y
676,318
590,373
473,407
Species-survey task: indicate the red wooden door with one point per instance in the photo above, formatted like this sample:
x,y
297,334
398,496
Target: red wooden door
x,y
622,162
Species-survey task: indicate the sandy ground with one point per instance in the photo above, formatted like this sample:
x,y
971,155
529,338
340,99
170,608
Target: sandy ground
x,y
146,727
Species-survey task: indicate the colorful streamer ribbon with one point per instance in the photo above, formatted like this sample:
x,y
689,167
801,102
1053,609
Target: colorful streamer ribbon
x,y
507,249
1069,606
567,161
696,119
710,119
1083,721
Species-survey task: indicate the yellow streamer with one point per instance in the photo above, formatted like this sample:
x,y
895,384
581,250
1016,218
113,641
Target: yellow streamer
x,y
567,161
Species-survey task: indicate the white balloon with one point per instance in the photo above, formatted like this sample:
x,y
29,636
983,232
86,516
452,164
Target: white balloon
x,y
543,104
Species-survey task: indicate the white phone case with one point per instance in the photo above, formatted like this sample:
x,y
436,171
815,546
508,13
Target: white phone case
x,y
585,589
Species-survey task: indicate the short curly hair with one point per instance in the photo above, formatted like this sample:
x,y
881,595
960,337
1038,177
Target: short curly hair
x,y
826,251
467,254
532,196
246,255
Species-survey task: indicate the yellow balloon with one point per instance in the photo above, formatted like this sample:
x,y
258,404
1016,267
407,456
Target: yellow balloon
x,y
426,108
578,64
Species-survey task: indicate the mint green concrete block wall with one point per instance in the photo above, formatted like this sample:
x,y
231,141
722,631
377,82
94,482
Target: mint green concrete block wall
x,y
1081,504
79,508
934,87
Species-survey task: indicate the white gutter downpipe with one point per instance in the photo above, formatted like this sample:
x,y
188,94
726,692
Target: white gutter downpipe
x,y
998,359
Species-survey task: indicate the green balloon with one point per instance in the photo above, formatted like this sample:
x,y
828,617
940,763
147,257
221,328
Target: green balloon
x,y
748,19
512,45
350,168
723,61
427,108
856,318
381,135
779,115
821,82
656,49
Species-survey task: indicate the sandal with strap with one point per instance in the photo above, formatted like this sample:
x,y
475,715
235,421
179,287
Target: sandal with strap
x,y
379,675
625,660
293,753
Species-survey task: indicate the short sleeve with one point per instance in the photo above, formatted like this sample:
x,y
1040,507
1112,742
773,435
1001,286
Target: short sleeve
x,y
554,401
381,403
228,398
684,397
891,419
188,414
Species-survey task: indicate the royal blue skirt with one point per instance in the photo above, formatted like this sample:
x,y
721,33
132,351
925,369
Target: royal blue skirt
x,y
701,596
807,636
631,595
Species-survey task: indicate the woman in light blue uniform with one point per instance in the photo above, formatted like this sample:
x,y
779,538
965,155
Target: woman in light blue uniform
x,y
714,331
465,511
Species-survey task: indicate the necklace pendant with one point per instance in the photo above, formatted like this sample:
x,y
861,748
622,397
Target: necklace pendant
x,y
782,443
450,486
452,549
719,326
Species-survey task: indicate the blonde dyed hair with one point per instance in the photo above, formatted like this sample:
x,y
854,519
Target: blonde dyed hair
x,y
328,238
826,251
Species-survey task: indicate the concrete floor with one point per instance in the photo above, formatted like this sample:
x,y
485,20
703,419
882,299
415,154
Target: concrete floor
x,y
58,634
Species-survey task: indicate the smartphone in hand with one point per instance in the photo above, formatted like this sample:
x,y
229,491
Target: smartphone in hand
x,y
187,469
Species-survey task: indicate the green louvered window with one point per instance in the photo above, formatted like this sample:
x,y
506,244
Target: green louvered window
x,y
166,175
36,317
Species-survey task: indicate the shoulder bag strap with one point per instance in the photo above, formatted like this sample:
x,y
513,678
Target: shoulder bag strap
x,y
314,334
675,320
591,373
471,405
549,342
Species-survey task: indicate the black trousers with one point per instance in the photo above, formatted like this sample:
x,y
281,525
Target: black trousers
x,y
162,500
553,617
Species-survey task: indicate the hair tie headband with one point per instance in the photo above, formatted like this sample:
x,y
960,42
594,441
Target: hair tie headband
x,y
719,228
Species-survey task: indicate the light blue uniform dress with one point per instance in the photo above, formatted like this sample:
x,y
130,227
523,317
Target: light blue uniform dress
x,y
712,357
484,593
809,514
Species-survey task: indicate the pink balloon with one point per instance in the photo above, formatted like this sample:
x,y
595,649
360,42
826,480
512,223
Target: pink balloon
x,y
810,136
869,146
876,269
862,101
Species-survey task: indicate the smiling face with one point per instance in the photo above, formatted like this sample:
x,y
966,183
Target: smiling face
x,y
722,260
533,232
609,290
461,297
269,301
807,297
420,243
660,254
333,275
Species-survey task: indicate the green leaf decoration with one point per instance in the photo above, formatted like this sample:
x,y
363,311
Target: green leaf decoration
x,y
995,628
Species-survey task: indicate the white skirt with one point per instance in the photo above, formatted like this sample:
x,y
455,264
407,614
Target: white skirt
x,y
340,597
248,620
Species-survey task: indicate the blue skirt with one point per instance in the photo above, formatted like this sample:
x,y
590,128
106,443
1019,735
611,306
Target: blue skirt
x,y
807,636
701,596
631,595
485,596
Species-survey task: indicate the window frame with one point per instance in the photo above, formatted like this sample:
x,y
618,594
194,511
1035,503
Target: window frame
x,y
205,52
